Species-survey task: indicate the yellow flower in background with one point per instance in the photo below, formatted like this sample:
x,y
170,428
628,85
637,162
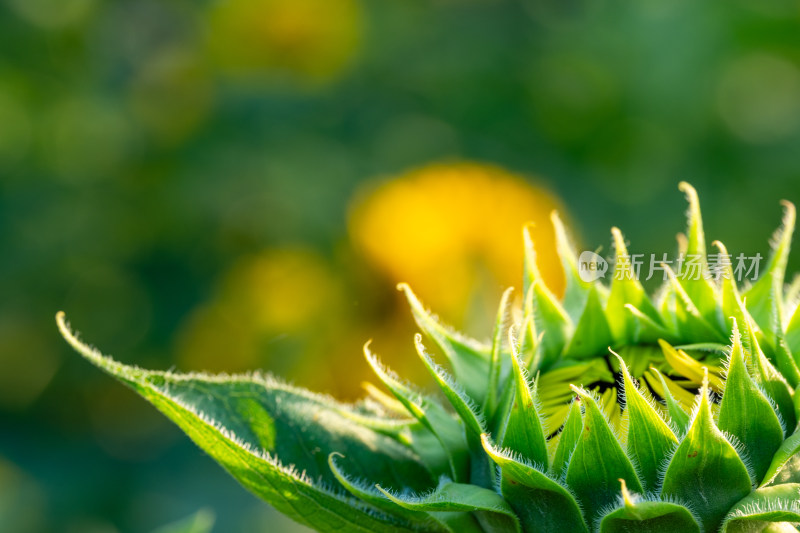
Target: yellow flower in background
x,y
282,289
446,229
312,39
449,230
265,305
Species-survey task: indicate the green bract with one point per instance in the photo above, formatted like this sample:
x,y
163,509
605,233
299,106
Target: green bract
x,y
689,424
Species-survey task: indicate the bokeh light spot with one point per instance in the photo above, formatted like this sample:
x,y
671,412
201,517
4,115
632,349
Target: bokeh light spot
x,y
87,139
759,98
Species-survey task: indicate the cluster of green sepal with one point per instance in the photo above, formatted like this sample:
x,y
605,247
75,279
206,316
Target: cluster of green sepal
x,y
495,456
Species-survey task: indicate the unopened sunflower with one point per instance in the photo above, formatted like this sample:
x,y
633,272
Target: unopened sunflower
x,y
606,410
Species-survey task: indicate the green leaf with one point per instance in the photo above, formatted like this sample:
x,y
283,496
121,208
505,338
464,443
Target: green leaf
x,y
530,339
492,512
747,414
667,305
790,472
705,469
548,313
699,289
495,369
470,360
552,320
481,472
650,439
765,296
648,516
792,334
679,418
592,335
690,321
567,439
786,452
732,304
767,376
785,363
367,492
793,290
200,522
577,290
468,412
448,430
627,290
711,347
780,503
648,331
796,401
542,504
524,433
254,426
598,462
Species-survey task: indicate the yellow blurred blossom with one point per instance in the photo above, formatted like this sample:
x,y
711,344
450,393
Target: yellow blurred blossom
x,y
450,230
273,305
282,289
311,39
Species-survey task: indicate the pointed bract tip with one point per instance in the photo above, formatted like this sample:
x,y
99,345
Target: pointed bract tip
x,y
526,234
577,390
512,337
688,190
490,449
623,366
704,388
334,455
369,355
735,330
385,492
63,327
66,331
627,497
683,241
721,247
789,207
619,241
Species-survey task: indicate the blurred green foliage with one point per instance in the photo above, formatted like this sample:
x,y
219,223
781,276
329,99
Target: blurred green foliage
x,y
151,150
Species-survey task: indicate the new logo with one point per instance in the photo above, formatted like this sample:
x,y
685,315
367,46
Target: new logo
x,y
591,266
